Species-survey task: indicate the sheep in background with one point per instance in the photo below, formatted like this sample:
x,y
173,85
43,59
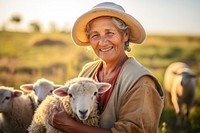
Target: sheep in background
x,y
179,83
40,89
77,97
15,111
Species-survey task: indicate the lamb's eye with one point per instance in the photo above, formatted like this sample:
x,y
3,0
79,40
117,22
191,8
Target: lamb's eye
x,y
70,95
7,98
95,93
51,91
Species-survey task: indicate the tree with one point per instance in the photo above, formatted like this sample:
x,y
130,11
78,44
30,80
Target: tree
x,y
35,26
16,19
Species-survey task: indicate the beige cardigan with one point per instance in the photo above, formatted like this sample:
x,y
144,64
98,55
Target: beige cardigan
x,y
137,100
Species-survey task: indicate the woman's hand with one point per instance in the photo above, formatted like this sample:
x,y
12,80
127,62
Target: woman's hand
x,y
60,120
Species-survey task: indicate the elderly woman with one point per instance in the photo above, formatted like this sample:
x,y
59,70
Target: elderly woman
x,y
135,101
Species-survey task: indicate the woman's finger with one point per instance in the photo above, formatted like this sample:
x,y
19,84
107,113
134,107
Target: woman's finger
x,y
52,111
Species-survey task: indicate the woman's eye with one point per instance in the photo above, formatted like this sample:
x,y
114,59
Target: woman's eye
x,y
93,36
109,33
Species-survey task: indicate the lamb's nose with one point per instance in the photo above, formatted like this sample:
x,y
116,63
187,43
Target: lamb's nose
x,y
83,112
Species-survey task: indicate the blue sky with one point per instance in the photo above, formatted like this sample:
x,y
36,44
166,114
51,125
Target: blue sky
x,y
157,16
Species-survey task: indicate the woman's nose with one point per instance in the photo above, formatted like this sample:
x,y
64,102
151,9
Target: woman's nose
x,y
103,40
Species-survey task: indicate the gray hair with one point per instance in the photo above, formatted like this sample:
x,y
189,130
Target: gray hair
x,y
121,25
124,28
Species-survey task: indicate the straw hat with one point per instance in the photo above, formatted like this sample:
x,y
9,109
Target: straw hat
x,y
137,34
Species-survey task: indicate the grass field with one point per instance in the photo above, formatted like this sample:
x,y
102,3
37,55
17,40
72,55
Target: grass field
x,y
25,57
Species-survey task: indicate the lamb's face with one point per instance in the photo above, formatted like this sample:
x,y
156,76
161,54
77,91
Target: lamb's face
x,y
82,99
43,90
6,96
83,93
187,78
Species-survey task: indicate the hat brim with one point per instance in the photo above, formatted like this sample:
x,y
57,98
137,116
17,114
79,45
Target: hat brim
x,y
137,34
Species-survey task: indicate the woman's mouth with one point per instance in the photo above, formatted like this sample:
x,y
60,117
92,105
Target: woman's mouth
x,y
105,49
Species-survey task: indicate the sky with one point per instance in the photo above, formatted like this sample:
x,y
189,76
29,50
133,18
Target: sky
x,y
156,16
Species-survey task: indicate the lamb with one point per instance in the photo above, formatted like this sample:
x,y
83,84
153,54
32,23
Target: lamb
x,y
179,83
16,111
39,90
77,97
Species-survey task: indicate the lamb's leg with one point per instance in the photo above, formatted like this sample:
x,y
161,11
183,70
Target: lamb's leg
x,y
179,121
186,121
175,99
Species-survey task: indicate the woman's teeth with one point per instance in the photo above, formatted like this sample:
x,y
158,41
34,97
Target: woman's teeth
x,y
105,50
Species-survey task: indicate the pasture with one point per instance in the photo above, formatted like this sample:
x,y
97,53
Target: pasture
x,y
25,57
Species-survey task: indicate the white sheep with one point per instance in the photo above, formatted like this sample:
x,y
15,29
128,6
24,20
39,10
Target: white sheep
x,y
78,97
16,111
39,90
179,83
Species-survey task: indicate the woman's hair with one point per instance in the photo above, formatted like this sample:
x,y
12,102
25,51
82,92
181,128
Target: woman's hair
x,y
121,25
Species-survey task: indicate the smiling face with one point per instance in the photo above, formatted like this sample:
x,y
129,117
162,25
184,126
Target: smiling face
x,y
106,39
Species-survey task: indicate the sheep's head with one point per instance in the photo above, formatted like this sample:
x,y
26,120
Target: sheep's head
x,y
185,75
6,96
42,88
83,93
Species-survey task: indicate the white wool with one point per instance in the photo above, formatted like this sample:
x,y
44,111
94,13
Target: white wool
x,y
180,85
76,88
40,89
15,111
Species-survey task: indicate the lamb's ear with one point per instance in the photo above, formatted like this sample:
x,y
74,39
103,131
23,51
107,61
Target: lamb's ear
x,y
193,75
17,93
103,87
175,73
57,86
61,92
26,87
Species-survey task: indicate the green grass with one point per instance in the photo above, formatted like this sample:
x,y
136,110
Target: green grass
x,y
22,62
